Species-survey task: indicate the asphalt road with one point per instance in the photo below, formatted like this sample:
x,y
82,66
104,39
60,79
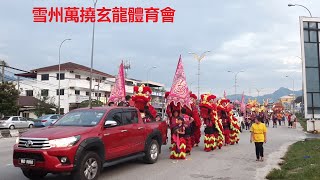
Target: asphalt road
x,y
231,162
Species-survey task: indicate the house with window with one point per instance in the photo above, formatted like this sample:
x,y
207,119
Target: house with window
x,y
74,85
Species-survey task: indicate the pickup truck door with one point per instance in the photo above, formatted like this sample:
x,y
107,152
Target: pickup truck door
x,y
136,131
115,138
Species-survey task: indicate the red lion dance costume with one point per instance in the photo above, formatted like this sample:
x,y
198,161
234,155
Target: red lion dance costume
x,y
209,114
193,112
171,108
224,118
142,101
234,127
179,148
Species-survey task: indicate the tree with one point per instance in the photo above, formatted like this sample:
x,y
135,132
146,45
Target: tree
x,y
298,99
9,96
45,105
94,103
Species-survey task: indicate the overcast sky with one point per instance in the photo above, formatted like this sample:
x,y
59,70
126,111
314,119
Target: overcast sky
x,y
259,37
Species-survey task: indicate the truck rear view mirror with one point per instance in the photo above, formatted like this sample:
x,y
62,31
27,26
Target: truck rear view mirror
x,y
110,123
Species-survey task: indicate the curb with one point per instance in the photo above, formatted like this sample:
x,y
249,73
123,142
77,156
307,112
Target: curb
x,y
11,133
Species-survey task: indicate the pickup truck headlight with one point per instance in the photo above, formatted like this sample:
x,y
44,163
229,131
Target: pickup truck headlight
x,y
64,142
17,140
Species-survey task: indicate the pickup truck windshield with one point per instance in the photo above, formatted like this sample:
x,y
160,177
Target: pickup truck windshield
x,y
81,118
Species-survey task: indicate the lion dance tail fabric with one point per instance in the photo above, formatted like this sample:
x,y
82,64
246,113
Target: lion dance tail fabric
x,y
188,144
234,131
226,133
209,142
218,140
179,152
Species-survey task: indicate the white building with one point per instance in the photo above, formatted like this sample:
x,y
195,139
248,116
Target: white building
x,y
74,85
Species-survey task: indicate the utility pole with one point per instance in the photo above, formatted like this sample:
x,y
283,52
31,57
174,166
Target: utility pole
x,y
126,67
92,49
18,79
235,82
2,63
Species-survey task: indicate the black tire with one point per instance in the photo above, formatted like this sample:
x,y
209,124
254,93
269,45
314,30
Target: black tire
x,y
34,174
30,126
152,152
11,127
89,157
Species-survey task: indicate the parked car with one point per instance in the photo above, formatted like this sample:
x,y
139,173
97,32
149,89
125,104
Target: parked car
x,y
46,120
12,122
86,140
239,118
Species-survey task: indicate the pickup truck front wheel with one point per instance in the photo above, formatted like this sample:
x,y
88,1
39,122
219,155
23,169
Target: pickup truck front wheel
x,y
90,167
34,174
152,152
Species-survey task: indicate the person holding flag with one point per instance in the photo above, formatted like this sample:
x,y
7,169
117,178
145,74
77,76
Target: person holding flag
x,y
179,95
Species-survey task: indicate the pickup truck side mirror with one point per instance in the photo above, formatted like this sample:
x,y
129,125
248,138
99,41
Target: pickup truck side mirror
x,y
110,123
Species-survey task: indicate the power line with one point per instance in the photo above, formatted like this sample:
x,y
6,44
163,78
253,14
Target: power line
x,y
15,68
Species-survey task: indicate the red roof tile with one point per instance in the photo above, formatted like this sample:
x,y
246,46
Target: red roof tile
x,y
27,101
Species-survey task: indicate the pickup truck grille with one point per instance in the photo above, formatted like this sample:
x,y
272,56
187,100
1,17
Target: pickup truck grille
x,y
36,143
35,156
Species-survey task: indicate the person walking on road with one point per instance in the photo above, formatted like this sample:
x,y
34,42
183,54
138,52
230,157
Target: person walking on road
x,y
274,120
290,122
294,120
258,136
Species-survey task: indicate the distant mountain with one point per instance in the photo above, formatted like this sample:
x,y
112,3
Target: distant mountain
x,y
274,97
8,78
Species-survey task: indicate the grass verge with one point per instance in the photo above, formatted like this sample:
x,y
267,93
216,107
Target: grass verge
x,y
302,161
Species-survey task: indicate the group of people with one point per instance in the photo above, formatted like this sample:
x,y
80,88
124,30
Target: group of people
x,y
221,127
277,118
282,117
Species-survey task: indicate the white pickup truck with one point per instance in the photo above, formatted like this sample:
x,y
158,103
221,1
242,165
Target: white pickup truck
x,y
239,118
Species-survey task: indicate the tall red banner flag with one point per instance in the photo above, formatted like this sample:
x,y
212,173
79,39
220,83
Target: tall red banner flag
x,y
118,92
243,105
179,92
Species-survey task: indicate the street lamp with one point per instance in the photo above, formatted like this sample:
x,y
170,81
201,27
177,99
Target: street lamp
x,y
59,75
199,58
259,90
291,5
293,104
235,82
153,67
92,48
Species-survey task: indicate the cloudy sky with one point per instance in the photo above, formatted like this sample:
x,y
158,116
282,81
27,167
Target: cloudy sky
x,y
259,37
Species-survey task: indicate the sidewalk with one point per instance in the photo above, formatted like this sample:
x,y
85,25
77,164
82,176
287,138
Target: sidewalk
x,y
6,133
274,158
